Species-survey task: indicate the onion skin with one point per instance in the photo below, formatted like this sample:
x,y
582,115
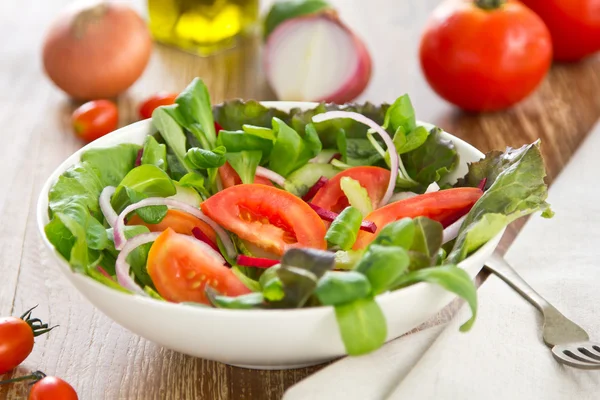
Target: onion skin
x,y
96,51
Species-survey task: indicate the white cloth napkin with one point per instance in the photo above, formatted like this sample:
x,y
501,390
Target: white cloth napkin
x,y
503,356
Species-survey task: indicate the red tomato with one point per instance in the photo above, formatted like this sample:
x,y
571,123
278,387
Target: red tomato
x,y
181,267
374,179
159,99
52,388
16,342
95,119
179,221
231,178
445,206
271,218
573,24
485,59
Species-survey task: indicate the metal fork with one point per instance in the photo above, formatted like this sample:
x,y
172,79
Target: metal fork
x,y
569,342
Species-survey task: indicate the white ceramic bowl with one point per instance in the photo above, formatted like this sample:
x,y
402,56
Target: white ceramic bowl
x,y
262,339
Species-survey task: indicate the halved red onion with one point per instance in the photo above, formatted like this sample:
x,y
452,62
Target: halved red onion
x,y
256,262
451,232
109,213
270,175
327,215
315,188
119,235
394,158
122,266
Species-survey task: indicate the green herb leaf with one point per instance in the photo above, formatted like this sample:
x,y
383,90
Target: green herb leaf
x,y
428,236
336,288
154,153
147,180
362,325
451,278
164,120
400,233
344,229
246,280
202,159
236,141
150,214
405,142
382,265
196,112
518,189
244,163
401,114
293,151
433,160
196,181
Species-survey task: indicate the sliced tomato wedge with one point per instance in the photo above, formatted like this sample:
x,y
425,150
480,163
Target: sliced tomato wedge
x,y
445,206
374,179
181,267
231,178
179,221
271,218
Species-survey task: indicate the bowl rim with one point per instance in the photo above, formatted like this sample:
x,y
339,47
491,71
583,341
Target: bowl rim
x,y
43,219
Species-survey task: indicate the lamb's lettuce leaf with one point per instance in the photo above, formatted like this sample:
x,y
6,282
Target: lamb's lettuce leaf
x,y
154,153
199,158
194,113
362,325
244,163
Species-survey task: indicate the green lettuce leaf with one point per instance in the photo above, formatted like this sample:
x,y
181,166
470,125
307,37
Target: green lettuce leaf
x,y
154,153
362,325
113,163
195,113
339,287
199,158
517,189
233,115
293,151
245,163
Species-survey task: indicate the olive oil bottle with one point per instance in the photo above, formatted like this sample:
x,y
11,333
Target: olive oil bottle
x,y
201,26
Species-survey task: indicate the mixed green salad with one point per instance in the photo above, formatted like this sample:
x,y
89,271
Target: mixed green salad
x,y
241,206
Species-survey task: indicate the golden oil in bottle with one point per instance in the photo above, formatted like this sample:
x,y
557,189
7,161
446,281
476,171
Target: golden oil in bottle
x,y
201,26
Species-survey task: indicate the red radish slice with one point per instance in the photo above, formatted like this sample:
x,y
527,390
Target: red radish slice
x,y
103,272
257,262
315,188
198,234
316,58
109,213
270,175
138,159
122,266
327,215
119,234
482,184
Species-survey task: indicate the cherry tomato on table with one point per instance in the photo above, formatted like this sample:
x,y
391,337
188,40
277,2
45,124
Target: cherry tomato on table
x,y
270,218
52,388
95,119
445,206
16,339
485,55
181,267
573,24
373,179
157,100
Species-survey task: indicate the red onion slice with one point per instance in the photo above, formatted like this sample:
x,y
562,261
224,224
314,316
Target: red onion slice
x,y
198,234
394,158
482,184
315,188
451,232
122,266
119,235
327,215
256,262
109,213
270,175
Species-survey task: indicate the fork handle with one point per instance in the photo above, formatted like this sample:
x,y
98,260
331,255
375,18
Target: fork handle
x,y
504,271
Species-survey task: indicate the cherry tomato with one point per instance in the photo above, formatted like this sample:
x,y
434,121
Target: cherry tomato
x,y
52,388
573,24
95,119
181,267
157,100
179,221
485,55
231,178
16,342
445,206
373,179
271,218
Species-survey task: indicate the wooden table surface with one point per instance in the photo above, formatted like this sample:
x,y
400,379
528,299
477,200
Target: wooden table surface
x,y
98,357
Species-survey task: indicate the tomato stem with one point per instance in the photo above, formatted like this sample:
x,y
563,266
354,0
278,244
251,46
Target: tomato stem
x,y
489,4
35,376
36,324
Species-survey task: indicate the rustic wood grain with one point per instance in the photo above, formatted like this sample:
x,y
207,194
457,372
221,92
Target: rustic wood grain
x,y
103,360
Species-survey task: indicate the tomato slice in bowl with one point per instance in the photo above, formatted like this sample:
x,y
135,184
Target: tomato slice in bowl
x,y
271,218
180,267
445,206
231,178
179,221
374,179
